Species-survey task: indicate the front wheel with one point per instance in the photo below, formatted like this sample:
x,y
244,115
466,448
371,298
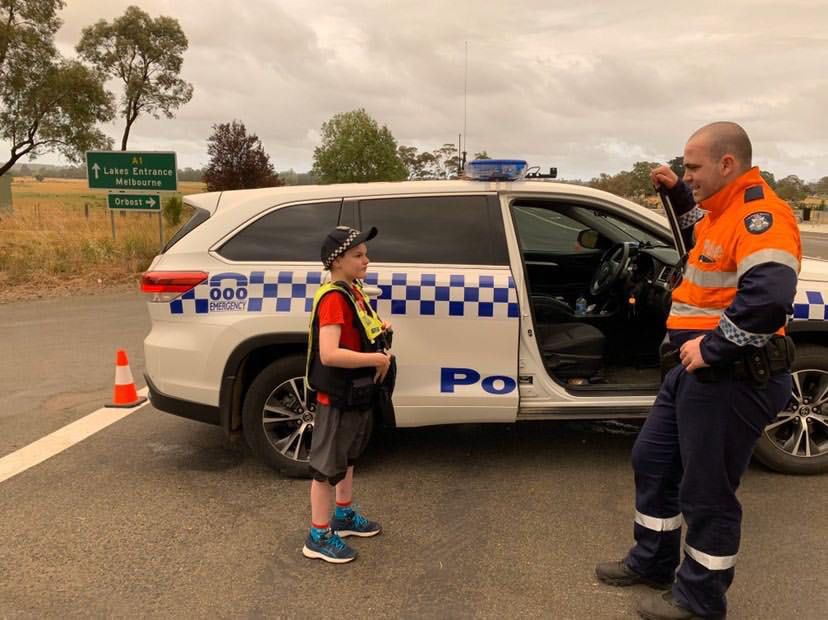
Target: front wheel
x,y
797,441
277,416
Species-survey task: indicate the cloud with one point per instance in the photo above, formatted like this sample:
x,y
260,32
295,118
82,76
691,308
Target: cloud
x,y
589,88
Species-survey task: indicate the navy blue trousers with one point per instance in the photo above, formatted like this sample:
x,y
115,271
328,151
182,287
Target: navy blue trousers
x,y
688,460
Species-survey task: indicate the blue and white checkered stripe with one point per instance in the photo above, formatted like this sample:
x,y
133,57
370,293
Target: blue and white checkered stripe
x,y
689,219
401,294
453,295
741,337
811,305
278,291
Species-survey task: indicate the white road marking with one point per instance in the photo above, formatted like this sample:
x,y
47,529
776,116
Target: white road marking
x,y
66,437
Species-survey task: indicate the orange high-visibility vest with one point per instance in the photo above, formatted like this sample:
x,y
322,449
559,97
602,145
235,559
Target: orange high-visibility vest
x,y
746,225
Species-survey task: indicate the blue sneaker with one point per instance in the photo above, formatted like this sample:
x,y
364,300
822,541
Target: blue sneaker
x,y
354,525
328,547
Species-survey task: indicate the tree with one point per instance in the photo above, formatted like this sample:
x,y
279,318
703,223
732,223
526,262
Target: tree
x,y
821,186
172,209
482,155
791,188
641,184
145,54
677,165
356,149
237,160
47,103
769,179
190,174
411,160
447,160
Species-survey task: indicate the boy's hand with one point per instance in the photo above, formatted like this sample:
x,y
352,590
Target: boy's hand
x,y
383,363
386,326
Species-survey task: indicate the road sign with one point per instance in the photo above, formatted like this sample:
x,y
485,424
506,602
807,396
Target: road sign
x,y
132,170
134,202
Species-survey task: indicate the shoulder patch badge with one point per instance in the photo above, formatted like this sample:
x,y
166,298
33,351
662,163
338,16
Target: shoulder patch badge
x,y
759,222
754,193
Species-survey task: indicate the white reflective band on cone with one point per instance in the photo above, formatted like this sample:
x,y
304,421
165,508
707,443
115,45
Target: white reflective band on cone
x,y
123,375
658,525
711,562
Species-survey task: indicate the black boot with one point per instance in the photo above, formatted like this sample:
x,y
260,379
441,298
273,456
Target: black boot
x,y
663,607
619,574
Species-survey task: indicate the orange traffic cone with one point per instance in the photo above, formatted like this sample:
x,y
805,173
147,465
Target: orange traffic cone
x,y
124,395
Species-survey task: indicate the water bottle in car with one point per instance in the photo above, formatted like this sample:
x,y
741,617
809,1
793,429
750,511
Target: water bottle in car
x,y
580,306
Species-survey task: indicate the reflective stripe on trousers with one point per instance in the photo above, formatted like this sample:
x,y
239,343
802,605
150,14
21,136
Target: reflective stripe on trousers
x,y
711,562
657,524
688,460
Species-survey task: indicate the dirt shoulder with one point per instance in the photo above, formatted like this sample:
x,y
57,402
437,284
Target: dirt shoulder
x,y
79,286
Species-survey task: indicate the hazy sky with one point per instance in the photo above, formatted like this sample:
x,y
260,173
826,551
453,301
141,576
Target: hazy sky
x,y
588,87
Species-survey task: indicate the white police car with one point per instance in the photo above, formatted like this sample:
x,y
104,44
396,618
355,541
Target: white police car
x,y
480,279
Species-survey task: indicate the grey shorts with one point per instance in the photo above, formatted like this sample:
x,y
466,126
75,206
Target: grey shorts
x,y
339,438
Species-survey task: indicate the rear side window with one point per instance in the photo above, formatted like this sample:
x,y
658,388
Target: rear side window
x,y
199,217
459,230
292,233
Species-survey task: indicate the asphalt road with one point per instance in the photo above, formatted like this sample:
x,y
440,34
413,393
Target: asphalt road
x,y
815,244
159,516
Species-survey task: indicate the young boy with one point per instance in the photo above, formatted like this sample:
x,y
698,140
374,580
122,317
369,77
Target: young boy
x,y
344,365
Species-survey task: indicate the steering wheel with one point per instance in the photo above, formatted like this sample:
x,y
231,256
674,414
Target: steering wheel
x,y
609,269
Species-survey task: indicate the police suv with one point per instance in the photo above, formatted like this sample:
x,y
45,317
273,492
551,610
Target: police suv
x,y
511,299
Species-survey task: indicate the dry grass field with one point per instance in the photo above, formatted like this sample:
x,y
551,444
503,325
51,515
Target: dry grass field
x,y
59,239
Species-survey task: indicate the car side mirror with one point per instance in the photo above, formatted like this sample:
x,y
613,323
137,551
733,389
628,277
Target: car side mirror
x,y
588,239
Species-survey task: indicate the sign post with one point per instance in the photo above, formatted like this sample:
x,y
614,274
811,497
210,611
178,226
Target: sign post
x,y
128,172
134,202
132,170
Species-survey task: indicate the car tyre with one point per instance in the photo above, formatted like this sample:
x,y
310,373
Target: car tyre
x,y
277,419
797,441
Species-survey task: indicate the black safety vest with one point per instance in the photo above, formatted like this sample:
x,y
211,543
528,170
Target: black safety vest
x,y
346,387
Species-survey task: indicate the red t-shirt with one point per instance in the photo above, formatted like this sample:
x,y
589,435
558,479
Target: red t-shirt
x,y
334,309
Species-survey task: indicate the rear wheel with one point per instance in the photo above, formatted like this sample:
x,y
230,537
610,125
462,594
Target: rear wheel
x,y
797,441
278,419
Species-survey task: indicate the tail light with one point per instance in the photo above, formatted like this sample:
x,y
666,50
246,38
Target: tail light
x,y
164,286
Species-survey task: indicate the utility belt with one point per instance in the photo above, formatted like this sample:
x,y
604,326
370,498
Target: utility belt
x,y
755,364
347,389
352,388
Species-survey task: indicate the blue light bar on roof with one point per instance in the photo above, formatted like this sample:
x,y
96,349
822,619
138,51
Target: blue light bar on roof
x,y
496,169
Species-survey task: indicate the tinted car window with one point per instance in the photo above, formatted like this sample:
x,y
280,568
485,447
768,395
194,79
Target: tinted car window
x,y
433,229
288,234
543,230
199,217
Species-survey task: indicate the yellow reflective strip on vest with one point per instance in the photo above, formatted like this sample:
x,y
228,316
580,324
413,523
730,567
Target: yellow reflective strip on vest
x,y
682,309
769,255
710,279
371,323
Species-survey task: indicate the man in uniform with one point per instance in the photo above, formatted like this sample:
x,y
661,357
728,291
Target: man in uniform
x,y
729,377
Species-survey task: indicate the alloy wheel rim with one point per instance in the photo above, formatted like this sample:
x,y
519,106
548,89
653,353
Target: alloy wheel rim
x,y
288,420
801,429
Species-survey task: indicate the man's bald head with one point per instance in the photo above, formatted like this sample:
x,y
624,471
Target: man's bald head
x,y
726,138
714,156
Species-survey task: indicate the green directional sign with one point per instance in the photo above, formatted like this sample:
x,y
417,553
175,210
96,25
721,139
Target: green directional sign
x,y
134,202
132,170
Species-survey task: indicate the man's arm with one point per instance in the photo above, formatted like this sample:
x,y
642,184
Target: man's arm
x,y
681,197
762,305
766,270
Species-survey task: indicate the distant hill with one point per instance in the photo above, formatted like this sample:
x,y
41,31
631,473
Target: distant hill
x,y
187,174
79,172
